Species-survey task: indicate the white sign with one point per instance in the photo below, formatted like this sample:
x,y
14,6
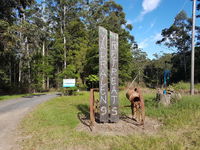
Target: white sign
x,y
69,82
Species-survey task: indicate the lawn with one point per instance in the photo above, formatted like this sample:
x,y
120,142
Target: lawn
x,y
6,97
52,126
14,96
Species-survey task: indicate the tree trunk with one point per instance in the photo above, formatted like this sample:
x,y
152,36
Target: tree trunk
x,y
20,61
28,62
48,83
184,63
65,61
43,54
20,71
14,74
157,78
10,72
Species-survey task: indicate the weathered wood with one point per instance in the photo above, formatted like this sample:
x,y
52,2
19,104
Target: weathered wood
x,y
168,98
103,75
92,117
114,104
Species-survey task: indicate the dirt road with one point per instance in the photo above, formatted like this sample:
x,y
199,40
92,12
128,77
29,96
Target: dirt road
x,y
11,113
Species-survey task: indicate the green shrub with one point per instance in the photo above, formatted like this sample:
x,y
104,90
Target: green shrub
x,y
197,86
69,91
181,86
184,86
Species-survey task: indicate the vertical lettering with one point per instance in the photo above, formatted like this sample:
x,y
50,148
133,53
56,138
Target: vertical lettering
x,y
114,114
103,74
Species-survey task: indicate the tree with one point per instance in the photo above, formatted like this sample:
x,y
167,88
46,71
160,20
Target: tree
x,y
178,36
45,41
110,15
138,63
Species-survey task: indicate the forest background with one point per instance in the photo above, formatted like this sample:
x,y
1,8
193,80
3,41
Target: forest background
x,y
43,42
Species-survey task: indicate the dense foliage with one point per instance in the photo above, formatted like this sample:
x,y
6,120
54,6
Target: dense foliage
x,y
42,42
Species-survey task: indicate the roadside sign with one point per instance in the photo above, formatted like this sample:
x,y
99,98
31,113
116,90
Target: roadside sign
x,y
69,82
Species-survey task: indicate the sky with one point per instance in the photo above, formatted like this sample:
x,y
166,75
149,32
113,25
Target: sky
x,y
149,17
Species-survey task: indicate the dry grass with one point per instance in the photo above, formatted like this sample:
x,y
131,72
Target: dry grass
x,y
53,126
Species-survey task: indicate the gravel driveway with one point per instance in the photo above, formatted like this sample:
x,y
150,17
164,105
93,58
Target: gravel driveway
x,y
11,113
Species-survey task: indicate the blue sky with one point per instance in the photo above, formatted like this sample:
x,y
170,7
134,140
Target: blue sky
x,y
149,17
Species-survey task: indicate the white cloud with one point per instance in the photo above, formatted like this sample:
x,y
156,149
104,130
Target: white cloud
x,y
129,21
157,37
152,24
144,44
149,40
148,6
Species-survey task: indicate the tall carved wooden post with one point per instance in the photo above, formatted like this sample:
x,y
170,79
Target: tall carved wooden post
x,y
114,109
103,74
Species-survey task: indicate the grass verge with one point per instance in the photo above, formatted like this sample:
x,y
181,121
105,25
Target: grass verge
x,y
6,97
52,126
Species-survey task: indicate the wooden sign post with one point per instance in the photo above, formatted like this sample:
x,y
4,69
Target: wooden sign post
x,y
114,117
103,74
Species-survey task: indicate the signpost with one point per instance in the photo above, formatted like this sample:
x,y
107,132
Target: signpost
x,y
114,117
103,74
69,82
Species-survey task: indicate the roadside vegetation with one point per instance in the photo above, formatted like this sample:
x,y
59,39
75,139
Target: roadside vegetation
x,y
52,125
43,42
6,97
14,96
185,86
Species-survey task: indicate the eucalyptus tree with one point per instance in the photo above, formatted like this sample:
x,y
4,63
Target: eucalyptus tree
x,y
139,62
110,15
178,36
9,45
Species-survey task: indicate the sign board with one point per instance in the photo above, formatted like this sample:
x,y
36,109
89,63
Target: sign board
x,y
114,113
103,74
69,82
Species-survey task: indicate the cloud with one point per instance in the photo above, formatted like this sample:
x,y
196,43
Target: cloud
x,y
144,44
149,40
148,6
157,37
129,21
152,24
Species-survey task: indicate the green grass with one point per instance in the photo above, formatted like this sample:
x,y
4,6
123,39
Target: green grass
x,y
184,86
14,96
6,97
52,126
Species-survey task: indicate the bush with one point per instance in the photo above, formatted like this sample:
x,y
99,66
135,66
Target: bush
x,y
181,86
69,91
184,86
197,86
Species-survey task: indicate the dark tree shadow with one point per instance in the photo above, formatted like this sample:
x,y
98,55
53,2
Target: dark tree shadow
x,y
33,95
128,119
84,109
84,115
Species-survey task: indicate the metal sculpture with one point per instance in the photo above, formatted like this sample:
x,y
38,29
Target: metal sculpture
x,y
134,95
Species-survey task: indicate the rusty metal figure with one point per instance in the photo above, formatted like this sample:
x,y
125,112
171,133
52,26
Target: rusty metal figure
x,y
134,95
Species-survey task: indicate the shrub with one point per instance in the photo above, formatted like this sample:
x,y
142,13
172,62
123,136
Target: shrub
x,y
69,91
181,86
